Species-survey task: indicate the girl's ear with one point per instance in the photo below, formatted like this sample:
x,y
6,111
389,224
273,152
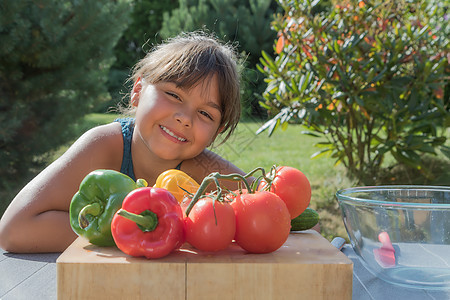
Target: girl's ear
x,y
135,93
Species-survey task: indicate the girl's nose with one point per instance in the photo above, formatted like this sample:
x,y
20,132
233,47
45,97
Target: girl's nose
x,y
184,118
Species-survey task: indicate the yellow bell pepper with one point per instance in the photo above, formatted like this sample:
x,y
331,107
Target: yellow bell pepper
x,y
175,181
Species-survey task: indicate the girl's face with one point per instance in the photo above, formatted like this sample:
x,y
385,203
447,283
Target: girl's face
x,y
174,123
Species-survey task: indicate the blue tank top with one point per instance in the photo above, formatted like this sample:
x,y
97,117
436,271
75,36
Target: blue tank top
x,y
127,133
126,168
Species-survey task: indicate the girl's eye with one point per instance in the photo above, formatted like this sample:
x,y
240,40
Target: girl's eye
x,y
173,95
204,113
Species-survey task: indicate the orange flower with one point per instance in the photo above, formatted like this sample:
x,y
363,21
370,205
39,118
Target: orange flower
x,y
306,50
439,93
332,60
331,106
280,44
361,4
365,112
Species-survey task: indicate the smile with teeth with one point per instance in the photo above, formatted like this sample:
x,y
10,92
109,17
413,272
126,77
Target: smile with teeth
x,y
166,130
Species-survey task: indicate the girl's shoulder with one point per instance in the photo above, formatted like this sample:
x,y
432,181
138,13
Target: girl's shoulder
x,y
103,143
107,133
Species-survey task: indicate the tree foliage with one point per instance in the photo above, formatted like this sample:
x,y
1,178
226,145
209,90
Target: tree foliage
x,y
371,77
244,22
143,31
54,58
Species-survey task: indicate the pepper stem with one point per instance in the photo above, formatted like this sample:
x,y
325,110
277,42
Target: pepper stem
x,y
147,220
93,209
141,183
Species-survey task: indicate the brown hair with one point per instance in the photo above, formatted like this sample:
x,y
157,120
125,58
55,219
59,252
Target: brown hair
x,y
191,57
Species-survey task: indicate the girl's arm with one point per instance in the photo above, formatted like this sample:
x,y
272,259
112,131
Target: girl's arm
x,y
37,220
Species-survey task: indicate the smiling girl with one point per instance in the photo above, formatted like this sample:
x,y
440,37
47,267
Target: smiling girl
x,y
185,94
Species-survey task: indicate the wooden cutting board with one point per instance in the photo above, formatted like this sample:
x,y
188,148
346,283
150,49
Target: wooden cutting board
x,y
307,266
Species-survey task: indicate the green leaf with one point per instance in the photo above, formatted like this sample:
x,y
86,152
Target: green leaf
x,y
378,60
384,149
356,41
331,72
260,68
310,133
323,145
422,32
266,125
268,60
273,126
359,101
338,95
304,82
273,123
336,47
427,148
307,33
408,30
314,3
320,153
294,86
379,75
409,158
264,105
445,150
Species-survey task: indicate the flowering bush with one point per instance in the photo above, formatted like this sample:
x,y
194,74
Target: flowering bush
x,y
369,76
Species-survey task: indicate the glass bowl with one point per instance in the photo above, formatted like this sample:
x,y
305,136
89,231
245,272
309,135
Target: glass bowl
x,y
400,233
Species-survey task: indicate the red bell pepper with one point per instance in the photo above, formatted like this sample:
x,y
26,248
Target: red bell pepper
x,y
150,223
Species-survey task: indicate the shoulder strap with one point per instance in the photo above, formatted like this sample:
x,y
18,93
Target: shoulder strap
x,y
127,133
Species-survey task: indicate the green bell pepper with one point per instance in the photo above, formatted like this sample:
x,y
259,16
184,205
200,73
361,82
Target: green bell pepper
x,y
92,208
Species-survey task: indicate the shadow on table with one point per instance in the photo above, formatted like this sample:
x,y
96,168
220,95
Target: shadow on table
x,y
42,257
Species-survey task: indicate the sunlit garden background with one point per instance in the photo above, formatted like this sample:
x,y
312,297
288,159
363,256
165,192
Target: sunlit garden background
x,y
349,92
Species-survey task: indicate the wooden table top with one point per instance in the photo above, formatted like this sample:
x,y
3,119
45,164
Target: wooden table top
x,y
33,276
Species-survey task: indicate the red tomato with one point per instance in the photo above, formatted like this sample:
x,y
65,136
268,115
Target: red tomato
x,y
202,231
185,203
292,186
262,222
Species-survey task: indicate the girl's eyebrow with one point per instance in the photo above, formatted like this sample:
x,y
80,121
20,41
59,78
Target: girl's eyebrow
x,y
209,103
213,104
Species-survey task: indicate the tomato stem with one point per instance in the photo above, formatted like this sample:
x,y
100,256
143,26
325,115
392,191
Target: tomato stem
x,y
214,177
254,171
269,178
